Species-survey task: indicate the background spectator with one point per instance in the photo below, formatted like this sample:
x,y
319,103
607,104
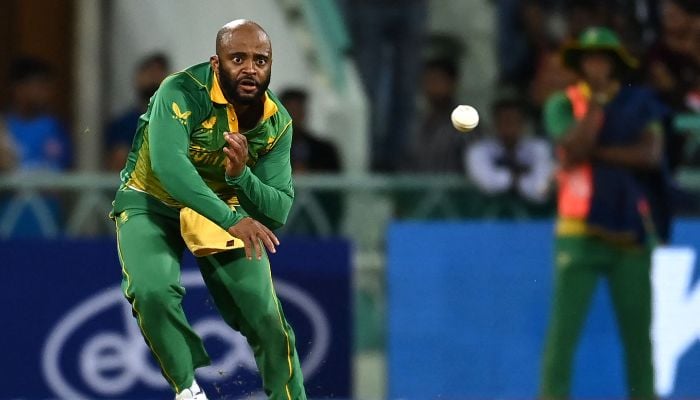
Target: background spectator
x,y
40,140
8,154
309,153
148,75
435,145
672,69
610,148
387,34
522,34
510,160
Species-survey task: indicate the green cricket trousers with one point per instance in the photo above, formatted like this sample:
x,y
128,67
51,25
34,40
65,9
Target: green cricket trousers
x,y
580,261
150,251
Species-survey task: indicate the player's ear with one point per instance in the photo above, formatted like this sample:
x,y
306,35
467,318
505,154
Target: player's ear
x,y
214,62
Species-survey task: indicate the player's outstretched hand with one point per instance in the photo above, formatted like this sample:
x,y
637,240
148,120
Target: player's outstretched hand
x,y
252,232
236,152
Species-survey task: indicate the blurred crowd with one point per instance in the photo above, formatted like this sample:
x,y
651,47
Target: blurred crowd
x,y
661,34
509,153
33,138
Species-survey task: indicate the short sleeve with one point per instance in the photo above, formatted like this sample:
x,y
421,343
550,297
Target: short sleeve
x,y
558,115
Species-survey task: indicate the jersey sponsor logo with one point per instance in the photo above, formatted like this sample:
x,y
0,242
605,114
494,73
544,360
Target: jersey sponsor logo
x,y
179,115
209,123
112,362
676,326
207,158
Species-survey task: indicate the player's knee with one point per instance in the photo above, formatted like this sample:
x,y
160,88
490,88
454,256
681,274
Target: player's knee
x,y
148,296
272,325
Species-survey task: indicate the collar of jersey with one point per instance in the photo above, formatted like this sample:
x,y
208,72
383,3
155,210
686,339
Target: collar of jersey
x,y
217,96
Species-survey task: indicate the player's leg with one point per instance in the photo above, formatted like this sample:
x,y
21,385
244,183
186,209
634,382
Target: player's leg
x,y
630,287
243,292
150,250
575,278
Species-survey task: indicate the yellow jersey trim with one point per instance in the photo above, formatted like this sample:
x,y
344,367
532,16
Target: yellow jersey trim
x,y
269,108
216,95
284,329
284,130
195,79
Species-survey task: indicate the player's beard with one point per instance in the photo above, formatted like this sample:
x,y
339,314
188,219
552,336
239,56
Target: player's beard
x,y
229,86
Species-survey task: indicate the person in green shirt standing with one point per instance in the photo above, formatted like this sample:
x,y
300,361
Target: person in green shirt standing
x,y
210,170
609,145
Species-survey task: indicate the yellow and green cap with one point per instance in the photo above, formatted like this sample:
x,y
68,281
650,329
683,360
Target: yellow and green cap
x,y
597,39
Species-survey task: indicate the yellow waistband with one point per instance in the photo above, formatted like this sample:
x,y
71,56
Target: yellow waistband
x,y
571,227
579,227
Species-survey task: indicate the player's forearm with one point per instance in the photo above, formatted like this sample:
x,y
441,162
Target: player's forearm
x,y
638,156
645,154
179,177
579,142
270,204
578,147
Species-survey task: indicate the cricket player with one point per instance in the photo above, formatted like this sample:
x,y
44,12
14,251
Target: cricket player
x,y
610,145
210,170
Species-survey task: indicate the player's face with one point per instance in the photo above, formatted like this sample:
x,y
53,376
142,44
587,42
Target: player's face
x,y
297,110
510,125
438,86
34,95
243,66
148,79
597,67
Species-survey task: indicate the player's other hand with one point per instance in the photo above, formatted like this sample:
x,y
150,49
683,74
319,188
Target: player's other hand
x,y
236,152
252,232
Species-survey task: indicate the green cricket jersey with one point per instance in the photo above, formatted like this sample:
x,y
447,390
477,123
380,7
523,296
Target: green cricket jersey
x,y
177,155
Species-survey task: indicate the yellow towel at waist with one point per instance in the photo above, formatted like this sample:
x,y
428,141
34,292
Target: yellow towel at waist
x,y
204,237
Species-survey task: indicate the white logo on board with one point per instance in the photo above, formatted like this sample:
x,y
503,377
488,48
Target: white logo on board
x,y
110,363
676,325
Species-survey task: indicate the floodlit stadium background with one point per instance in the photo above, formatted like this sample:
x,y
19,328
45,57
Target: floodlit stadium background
x,y
401,283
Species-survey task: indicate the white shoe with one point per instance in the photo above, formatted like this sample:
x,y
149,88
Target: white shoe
x,y
192,393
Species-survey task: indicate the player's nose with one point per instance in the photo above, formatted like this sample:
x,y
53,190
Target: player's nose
x,y
249,67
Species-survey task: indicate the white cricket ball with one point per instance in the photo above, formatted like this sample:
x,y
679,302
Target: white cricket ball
x,y
465,118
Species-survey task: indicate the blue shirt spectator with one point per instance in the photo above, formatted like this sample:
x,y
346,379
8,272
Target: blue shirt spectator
x,y
39,139
32,140
149,73
41,142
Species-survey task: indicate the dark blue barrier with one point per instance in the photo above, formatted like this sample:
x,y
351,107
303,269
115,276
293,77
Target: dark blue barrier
x,y
69,333
468,310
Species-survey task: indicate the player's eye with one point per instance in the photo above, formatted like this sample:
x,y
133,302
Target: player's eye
x,y
261,62
237,59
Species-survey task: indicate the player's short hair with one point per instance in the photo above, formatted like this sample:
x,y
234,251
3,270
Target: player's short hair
x,y
689,6
445,65
27,68
157,58
291,94
235,24
509,103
